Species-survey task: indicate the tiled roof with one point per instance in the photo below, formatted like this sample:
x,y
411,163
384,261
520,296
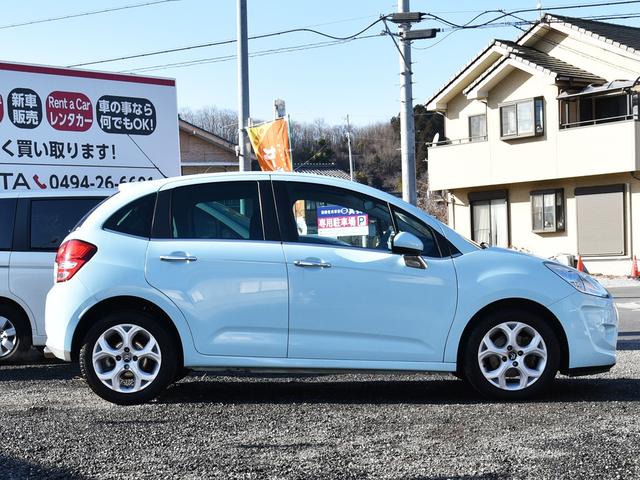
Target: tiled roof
x,y
547,62
320,170
622,34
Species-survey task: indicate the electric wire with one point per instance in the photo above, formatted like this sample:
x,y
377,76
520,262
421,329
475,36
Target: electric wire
x,y
225,58
224,42
85,14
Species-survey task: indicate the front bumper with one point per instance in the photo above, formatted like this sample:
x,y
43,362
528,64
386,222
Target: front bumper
x,y
591,327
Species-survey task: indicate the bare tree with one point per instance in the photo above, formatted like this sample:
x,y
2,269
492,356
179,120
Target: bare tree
x,y
221,122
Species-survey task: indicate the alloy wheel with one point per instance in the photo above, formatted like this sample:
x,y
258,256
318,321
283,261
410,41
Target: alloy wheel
x,y
512,356
126,358
8,338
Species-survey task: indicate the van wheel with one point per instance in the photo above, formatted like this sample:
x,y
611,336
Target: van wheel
x,y
128,358
511,354
15,334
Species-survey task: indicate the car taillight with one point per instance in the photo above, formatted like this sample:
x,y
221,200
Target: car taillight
x,y
72,255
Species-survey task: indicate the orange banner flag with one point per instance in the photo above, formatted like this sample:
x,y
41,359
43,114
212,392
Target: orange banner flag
x,y
270,143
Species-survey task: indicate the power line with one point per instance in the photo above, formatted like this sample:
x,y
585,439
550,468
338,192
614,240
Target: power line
x,y
224,42
85,14
224,58
525,10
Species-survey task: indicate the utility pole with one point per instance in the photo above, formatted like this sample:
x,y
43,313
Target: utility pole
x,y
349,147
244,149
407,134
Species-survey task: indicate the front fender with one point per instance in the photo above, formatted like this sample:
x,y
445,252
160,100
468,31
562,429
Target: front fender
x,y
490,275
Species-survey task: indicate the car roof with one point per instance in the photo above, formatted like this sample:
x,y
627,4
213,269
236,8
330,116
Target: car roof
x,y
58,193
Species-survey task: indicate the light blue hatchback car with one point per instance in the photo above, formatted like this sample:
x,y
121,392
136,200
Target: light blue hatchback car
x,y
291,273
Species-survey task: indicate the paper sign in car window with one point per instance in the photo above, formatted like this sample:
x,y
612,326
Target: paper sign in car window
x,y
69,111
337,221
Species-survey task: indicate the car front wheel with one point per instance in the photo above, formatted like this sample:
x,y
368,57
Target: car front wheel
x,y
511,355
128,358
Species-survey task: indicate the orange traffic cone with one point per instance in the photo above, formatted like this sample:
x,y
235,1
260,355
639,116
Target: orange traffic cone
x,y
580,265
634,268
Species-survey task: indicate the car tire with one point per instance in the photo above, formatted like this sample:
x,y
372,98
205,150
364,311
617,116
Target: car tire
x,y
15,335
128,357
511,354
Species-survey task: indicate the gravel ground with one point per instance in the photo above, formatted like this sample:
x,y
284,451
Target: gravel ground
x,y
356,426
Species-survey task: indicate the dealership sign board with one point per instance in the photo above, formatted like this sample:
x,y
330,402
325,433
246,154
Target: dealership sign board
x,y
62,128
336,221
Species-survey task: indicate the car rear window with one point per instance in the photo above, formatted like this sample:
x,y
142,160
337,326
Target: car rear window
x,y
134,218
52,219
7,216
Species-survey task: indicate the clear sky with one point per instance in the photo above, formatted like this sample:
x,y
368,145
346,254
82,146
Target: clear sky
x,y
359,78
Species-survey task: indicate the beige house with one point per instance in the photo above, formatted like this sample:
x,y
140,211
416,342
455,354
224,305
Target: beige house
x,y
203,152
542,147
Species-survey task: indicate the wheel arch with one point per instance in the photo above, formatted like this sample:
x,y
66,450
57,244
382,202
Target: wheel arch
x,y
123,303
5,301
522,303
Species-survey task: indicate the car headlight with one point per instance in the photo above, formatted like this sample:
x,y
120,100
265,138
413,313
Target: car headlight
x,y
579,280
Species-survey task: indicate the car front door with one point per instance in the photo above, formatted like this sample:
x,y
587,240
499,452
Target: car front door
x,y
219,259
351,297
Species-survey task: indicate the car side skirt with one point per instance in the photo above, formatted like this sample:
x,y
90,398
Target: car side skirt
x,y
210,362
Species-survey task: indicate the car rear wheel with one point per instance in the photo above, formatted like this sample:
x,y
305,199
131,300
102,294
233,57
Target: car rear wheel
x,y
128,357
15,334
511,354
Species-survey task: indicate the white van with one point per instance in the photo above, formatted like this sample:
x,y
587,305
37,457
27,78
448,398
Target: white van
x,y
32,225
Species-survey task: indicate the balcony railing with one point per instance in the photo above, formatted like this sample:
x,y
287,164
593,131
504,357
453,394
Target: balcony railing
x,y
597,121
459,141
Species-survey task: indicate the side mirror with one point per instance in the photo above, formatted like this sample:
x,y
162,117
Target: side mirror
x,y
406,243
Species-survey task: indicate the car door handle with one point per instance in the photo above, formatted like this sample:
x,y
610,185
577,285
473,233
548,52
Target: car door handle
x,y
311,263
178,258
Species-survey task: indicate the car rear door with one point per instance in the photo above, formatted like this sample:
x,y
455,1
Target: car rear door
x,y
351,298
216,254
7,217
41,225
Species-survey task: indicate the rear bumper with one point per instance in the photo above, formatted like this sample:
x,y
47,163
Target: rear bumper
x,y
65,304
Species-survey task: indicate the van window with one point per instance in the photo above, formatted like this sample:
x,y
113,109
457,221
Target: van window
x,y
53,218
7,216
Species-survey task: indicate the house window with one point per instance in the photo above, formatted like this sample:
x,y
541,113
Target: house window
x,y
547,210
489,218
583,110
600,220
524,118
477,127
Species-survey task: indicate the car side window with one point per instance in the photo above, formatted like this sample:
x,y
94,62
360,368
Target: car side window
x,y
329,215
134,218
7,216
220,211
52,219
410,224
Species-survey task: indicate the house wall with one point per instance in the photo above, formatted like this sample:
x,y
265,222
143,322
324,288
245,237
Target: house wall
x,y
197,150
549,244
584,51
613,147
